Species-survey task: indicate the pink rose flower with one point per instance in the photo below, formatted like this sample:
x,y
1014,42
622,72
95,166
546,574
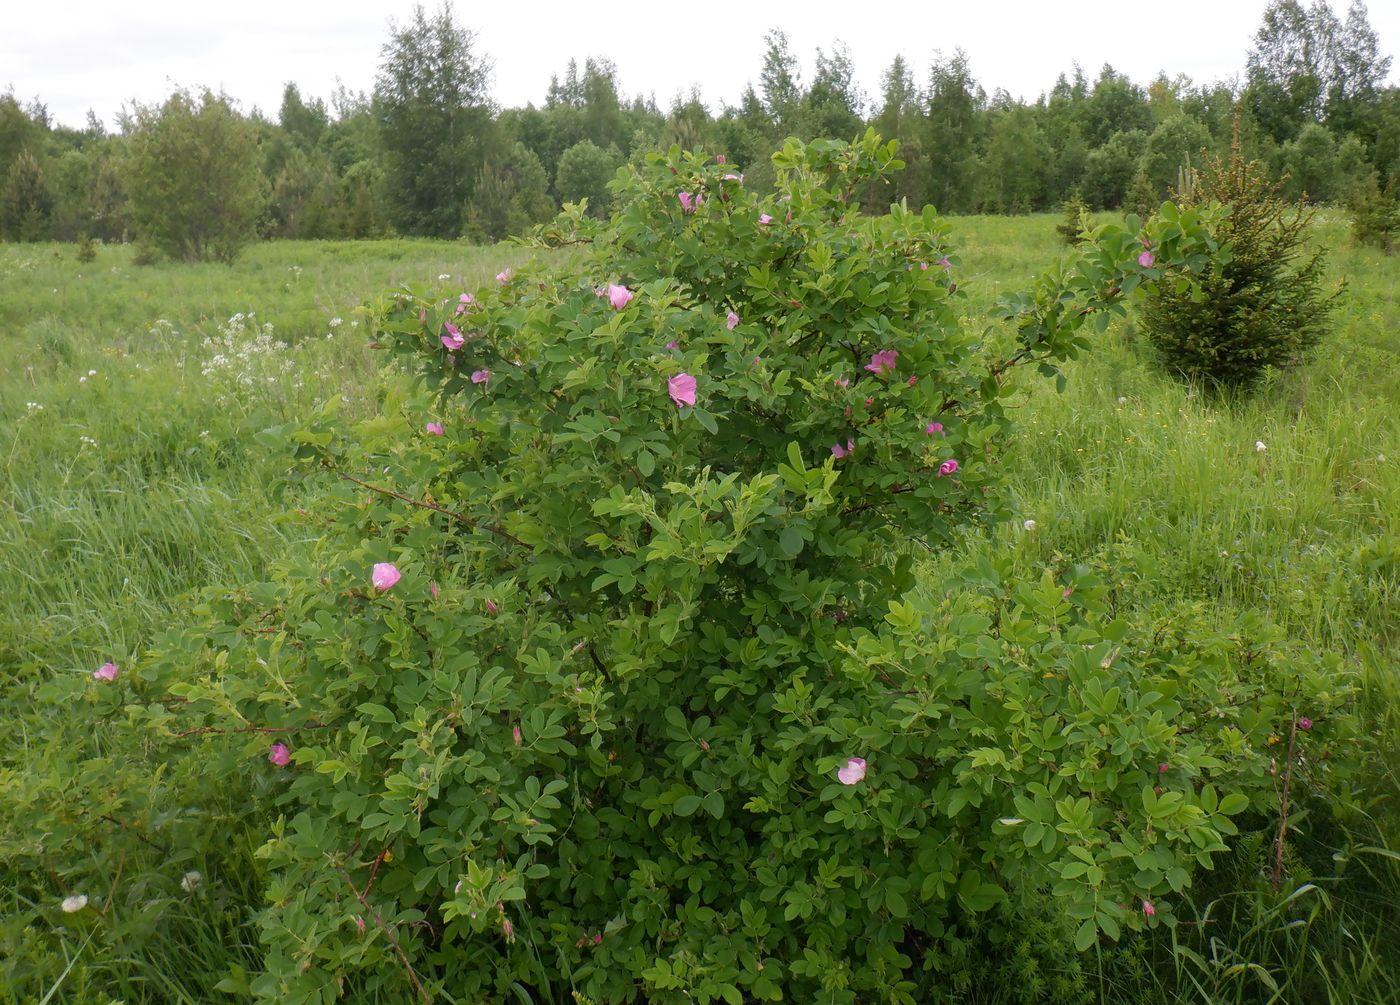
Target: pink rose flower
x,y
280,755
933,428
619,296
434,427
480,376
947,467
687,202
107,671
853,771
883,362
732,321
764,219
384,576
681,388
1148,909
454,338
503,276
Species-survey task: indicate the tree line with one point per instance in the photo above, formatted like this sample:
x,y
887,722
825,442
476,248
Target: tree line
x,y
427,153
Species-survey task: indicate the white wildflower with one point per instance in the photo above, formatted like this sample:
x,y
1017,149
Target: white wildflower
x,y
191,881
1029,525
33,406
336,322
1259,446
75,903
1122,400
443,276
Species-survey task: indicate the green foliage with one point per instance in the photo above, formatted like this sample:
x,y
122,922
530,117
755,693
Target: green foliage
x,y
431,105
591,738
86,250
512,194
585,169
26,203
1375,214
1262,306
102,550
192,173
1077,220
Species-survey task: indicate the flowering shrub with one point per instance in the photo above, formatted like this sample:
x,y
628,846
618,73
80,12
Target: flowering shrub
x,y
611,672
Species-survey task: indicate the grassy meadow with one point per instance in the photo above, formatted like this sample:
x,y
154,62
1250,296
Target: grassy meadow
x,y
130,402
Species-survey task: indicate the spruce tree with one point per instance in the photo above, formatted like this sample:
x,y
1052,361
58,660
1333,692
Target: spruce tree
x,y
1261,305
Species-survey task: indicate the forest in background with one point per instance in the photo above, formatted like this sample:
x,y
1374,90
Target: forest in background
x,y
428,153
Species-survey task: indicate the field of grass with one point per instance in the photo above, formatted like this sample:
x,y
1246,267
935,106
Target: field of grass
x,y
129,408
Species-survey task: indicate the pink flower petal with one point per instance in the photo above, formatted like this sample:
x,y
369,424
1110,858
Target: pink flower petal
x,y
480,376
280,755
933,428
434,427
619,296
687,202
947,467
732,321
384,576
107,671
1146,259
503,276
853,771
883,362
681,388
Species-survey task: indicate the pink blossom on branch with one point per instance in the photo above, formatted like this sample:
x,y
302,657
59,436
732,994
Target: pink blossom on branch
x,y
947,467
852,772
681,388
732,321
619,296
434,427
883,362
384,576
454,338
107,671
280,755
480,376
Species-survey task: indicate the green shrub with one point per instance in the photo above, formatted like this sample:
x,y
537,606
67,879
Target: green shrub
x,y
609,672
86,250
1260,306
1077,220
1375,215
194,173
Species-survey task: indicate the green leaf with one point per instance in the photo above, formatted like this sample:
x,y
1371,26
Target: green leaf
x,y
791,543
687,805
1086,936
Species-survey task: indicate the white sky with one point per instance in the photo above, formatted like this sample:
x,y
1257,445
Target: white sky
x,y
79,54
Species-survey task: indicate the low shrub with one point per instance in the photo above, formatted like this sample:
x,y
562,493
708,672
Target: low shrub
x,y
609,673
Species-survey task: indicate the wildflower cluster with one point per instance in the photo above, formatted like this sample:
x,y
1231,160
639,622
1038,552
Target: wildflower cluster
x,y
242,355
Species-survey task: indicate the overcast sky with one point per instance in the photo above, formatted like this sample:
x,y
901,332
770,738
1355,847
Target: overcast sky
x,y
76,55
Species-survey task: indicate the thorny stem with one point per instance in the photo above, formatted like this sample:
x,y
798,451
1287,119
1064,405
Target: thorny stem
x,y
393,941
1279,842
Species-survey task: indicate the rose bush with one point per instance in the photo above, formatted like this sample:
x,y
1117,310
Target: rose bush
x,y
611,672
